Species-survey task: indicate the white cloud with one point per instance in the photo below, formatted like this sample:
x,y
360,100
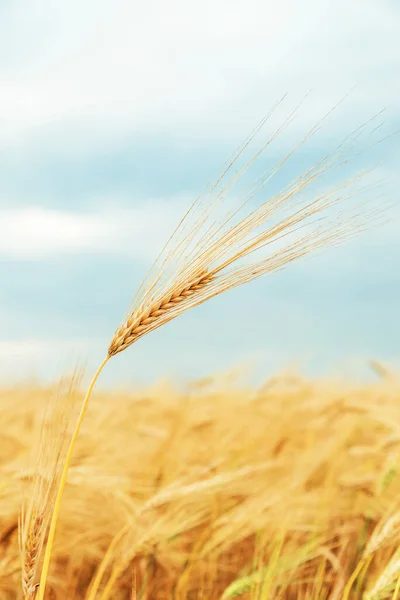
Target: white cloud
x,y
46,358
210,66
36,232
32,349
139,229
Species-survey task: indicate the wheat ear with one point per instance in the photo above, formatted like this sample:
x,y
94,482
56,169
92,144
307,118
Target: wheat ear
x,y
215,246
37,512
31,544
137,325
386,580
386,531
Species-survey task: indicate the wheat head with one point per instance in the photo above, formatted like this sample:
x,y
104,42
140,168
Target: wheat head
x,y
47,466
386,531
139,324
386,581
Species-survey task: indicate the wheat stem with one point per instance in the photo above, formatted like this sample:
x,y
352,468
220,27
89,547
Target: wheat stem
x,y
396,594
61,486
110,583
94,586
362,563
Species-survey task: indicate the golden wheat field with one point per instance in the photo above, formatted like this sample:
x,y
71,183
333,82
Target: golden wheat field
x,y
290,490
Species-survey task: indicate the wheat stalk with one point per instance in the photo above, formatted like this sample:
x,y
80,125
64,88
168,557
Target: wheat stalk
x,y
215,247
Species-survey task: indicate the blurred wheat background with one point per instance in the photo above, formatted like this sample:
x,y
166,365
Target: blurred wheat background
x,y
221,490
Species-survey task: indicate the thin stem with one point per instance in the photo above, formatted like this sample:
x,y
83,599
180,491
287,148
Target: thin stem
x,y
63,480
364,562
94,586
397,590
107,590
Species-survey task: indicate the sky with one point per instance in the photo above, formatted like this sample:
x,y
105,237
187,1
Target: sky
x,y
114,116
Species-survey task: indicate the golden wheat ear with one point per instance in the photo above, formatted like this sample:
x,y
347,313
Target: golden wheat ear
x,y
48,461
222,243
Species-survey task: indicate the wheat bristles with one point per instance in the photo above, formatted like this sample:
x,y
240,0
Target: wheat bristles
x,y
218,245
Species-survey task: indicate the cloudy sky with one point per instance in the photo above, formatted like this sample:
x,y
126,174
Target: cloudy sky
x,y
115,115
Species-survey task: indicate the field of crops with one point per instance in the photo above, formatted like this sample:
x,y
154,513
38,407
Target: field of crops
x,y
290,490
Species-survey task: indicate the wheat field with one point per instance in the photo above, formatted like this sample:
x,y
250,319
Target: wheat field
x,y
220,490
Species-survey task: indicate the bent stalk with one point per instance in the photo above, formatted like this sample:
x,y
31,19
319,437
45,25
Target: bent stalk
x,y
61,486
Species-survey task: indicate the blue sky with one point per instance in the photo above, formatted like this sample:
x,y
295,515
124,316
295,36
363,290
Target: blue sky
x,y
114,116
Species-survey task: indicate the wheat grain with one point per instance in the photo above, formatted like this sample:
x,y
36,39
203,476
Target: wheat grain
x,y
138,325
31,547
